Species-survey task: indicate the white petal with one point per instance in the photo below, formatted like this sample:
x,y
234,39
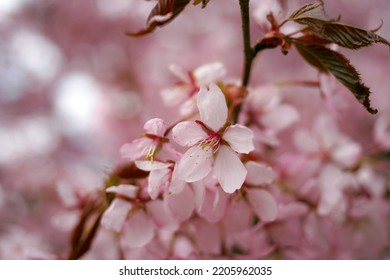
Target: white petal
x,y
264,204
195,164
229,169
173,96
157,180
116,214
129,191
259,174
188,107
281,117
181,205
137,148
148,165
188,133
137,231
347,154
177,184
240,138
199,191
208,73
212,107
155,126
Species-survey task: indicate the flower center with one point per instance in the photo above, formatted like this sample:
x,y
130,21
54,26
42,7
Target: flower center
x,y
212,141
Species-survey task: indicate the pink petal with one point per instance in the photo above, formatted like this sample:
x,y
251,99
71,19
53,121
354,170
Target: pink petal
x,y
176,184
208,237
239,216
179,72
240,138
382,131
347,154
259,174
116,214
229,169
188,133
199,191
188,107
137,148
212,107
161,215
157,180
195,164
208,73
155,126
305,141
214,205
173,96
129,191
264,204
137,231
281,117
181,205
148,165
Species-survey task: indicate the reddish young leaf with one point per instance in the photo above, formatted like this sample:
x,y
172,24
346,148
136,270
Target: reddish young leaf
x,y
343,35
164,12
327,60
204,3
319,25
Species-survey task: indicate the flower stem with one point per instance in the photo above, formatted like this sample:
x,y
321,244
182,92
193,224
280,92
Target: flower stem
x,y
248,50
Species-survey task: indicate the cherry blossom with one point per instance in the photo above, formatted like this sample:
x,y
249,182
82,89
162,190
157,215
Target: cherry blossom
x,y
149,145
211,143
184,92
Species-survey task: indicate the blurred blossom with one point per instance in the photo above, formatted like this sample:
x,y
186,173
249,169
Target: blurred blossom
x,y
77,102
303,174
41,58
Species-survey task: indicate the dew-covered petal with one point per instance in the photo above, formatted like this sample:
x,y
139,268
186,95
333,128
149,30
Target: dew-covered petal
x,y
240,138
212,107
137,231
259,174
208,73
116,214
149,165
229,169
137,148
129,191
195,164
264,204
188,133
155,126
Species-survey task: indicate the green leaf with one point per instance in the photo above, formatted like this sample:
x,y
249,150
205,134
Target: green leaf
x,y
327,60
164,12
